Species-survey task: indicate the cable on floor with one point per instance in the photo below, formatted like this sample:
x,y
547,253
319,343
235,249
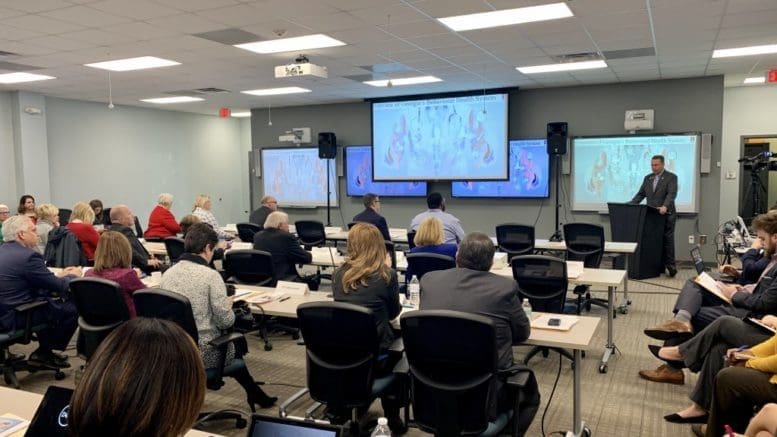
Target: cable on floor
x,y
550,399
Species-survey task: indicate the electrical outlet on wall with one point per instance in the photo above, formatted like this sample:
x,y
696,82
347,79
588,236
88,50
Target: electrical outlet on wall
x,y
702,239
690,239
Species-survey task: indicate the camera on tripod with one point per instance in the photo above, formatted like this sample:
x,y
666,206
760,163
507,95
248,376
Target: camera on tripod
x,y
759,162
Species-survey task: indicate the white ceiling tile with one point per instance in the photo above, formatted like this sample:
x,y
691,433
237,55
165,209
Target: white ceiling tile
x,y
38,23
379,15
141,30
326,23
196,5
758,18
8,33
751,6
95,35
8,13
33,6
59,43
186,23
84,16
137,9
234,16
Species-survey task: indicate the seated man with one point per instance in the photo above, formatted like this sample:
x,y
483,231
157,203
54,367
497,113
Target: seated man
x,y
696,307
122,221
284,247
371,215
24,278
451,226
753,264
269,204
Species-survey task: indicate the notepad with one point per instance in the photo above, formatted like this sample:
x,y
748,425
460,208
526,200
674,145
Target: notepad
x,y
761,325
711,285
566,322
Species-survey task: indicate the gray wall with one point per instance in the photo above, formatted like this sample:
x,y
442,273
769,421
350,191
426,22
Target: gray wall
x,y
7,161
680,106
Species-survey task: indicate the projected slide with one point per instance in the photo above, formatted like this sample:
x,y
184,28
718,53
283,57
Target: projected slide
x,y
529,174
611,169
358,176
440,139
297,177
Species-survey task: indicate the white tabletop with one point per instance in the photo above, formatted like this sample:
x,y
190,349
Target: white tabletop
x,y
599,277
578,337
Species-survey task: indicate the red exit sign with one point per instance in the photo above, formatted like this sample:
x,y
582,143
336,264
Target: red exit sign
x,y
772,76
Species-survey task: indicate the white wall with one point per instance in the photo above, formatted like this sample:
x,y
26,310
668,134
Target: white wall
x,y
7,157
746,111
130,155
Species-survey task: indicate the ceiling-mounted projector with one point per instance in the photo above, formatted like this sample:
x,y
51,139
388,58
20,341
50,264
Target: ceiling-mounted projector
x,y
301,67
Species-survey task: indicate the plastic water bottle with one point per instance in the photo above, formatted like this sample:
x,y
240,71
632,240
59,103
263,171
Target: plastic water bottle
x,y
526,308
382,430
415,291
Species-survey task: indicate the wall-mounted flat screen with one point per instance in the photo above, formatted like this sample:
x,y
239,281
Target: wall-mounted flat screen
x,y
297,177
611,168
529,174
358,176
441,138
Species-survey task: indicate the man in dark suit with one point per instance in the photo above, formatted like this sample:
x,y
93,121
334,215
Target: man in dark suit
x,y
371,214
269,204
24,278
122,221
660,190
284,247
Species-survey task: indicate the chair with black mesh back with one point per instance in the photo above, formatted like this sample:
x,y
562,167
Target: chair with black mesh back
x,y
64,216
421,263
138,228
392,253
250,266
311,233
350,225
585,242
515,239
543,280
101,309
246,231
411,239
175,248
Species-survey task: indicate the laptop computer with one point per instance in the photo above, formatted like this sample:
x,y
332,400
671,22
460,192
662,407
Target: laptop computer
x,y
267,426
698,263
51,417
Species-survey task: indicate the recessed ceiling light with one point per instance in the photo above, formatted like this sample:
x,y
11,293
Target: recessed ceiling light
x,y
567,66
403,81
758,79
507,17
241,114
23,77
176,99
276,91
745,51
130,64
308,42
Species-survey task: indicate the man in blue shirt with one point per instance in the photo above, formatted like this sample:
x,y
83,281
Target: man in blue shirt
x,y
451,226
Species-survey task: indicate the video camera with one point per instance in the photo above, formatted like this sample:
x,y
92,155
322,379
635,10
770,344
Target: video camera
x,y
759,162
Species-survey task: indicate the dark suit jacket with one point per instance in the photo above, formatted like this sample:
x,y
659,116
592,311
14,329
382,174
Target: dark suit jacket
x,y
285,249
370,216
763,300
140,255
259,215
663,195
482,293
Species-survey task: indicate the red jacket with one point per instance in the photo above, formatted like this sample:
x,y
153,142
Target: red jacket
x,y
88,237
162,224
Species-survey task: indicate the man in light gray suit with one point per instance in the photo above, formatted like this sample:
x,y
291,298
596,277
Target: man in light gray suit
x,y
660,189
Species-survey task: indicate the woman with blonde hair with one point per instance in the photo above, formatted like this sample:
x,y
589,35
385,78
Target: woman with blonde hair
x,y
81,225
48,219
202,211
113,261
429,239
161,222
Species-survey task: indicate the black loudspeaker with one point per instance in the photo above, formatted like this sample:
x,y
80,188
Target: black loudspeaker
x,y
327,145
557,138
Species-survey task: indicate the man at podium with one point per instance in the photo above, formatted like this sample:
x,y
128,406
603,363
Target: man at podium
x,y
660,189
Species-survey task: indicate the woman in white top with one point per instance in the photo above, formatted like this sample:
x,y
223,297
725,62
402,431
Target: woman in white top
x,y
48,219
202,211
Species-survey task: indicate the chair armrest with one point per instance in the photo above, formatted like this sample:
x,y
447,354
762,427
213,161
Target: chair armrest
x,y
402,367
517,376
27,309
30,306
225,339
282,410
397,345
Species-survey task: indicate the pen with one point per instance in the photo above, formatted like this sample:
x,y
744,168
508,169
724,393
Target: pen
x,y
284,298
741,348
729,430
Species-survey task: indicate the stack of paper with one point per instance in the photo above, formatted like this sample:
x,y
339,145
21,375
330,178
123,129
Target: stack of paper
x,y
711,285
566,322
500,260
574,269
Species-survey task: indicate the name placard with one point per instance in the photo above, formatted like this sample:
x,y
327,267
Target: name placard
x,y
292,288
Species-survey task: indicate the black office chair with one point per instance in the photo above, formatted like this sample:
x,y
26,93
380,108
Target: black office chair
x,y
454,376
64,216
246,231
311,233
411,239
392,253
249,266
138,228
168,305
175,248
585,242
341,348
23,333
101,309
351,224
515,239
543,280
421,263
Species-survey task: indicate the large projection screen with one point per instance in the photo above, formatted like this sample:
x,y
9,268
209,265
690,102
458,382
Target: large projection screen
x,y
297,177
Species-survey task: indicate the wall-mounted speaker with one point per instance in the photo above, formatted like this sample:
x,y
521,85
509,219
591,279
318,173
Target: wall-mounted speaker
x,y
557,138
327,145
705,162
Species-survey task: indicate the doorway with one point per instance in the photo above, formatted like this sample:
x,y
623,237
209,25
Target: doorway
x,y
758,184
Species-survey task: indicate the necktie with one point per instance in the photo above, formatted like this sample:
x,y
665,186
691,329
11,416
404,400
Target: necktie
x,y
655,182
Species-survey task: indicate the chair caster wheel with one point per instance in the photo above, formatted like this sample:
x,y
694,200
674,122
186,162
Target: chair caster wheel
x,y
241,423
295,336
59,376
268,347
603,368
586,432
582,354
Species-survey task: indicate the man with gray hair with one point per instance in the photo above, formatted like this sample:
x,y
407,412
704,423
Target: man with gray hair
x,y
269,204
4,214
122,221
284,247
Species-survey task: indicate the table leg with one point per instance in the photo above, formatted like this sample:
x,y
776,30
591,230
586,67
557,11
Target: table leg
x,y
623,308
609,348
577,422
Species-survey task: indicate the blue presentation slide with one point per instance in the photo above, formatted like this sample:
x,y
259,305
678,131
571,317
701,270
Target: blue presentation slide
x,y
529,174
440,139
297,177
611,169
358,176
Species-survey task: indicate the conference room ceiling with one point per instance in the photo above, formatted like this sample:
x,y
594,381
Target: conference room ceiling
x,y
640,40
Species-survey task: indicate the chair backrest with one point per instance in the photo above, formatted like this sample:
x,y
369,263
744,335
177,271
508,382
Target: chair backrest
x,y
63,249
452,358
541,279
101,308
421,263
138,228
250,266
515,239
64,216
341,344
392,253
411,239
174,246
164,304
585,242
246,231
351,224
310,232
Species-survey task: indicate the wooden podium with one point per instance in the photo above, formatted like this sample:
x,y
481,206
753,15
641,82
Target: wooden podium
x,y
643,225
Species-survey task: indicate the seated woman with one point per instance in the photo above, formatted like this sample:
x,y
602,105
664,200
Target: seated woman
x,y
192,277
48,219
201,209
161,222
429,238
113,261
101,216
81,225
187,222
123,393
367,279
27,207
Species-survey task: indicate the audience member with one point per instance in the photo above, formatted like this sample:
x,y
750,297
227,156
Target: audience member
x,y
145,379
186,223
269,204
5,212
764,424
48,219
451,226
371,215
101,216
27,207
161,222
122,221
113,261
753,264
24,278
366,279
192,277
201,209
284,247
81,226
429,239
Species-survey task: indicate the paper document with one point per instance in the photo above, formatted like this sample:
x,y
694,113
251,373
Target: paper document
x,y
10,424
566,322
264,297
239,292
711,285
761,324
574,269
